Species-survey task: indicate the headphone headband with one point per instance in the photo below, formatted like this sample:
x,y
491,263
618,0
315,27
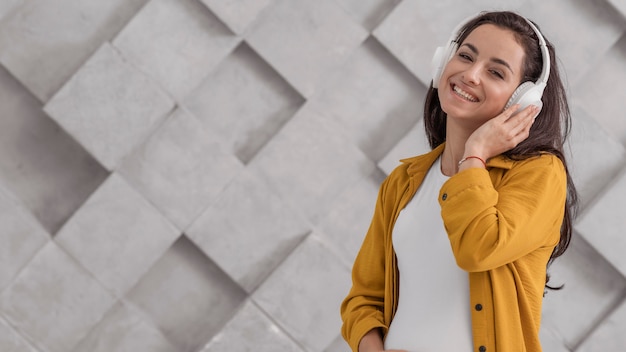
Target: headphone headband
x,y
545,55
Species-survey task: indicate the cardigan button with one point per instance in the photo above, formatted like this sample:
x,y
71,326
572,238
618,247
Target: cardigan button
x,y
444,196
478,307
482,348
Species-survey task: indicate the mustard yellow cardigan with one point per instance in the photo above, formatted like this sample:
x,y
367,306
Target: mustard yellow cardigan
x,y
502,223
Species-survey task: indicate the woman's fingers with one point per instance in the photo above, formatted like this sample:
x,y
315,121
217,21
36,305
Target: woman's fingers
x,y
522,121
516,127
503,132
510,111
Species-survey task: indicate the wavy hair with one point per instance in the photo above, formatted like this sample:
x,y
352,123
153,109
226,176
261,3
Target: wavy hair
x,y
552,126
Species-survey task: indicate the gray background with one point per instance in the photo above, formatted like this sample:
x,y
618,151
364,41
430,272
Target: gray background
x,y
183,175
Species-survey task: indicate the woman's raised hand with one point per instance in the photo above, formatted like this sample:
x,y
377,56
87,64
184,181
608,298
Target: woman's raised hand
x,y
501,133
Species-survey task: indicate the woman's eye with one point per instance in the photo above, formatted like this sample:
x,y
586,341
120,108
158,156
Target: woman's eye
x,y
465,57
497,74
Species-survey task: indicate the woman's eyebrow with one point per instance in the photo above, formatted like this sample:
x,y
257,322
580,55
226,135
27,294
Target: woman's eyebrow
x,y
494,59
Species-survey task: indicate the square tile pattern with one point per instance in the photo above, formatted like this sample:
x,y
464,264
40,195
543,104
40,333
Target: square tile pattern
x,y
56,37
198,175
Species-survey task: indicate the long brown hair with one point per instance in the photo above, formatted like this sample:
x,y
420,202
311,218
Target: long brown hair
x,y
552,126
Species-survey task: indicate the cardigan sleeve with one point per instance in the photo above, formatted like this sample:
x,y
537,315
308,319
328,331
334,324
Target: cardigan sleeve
x,y
490,226
362,309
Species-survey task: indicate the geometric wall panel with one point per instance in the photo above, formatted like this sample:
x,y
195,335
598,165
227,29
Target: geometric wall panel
x,y
117,235
349,216
198,175
40,163
248,259
598,28
587,277
596,95
237,15
619,5
44,42
176,42
339,345
245,101
7,6
10,340
610,335
109,106
54,282
310,149
415,142
180,168
606,217
321,33
550,341
293,296
252,330
370,90
187,296
594,156
368,13
124,328
20,234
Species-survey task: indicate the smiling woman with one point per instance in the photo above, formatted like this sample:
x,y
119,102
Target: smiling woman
x,y
489,207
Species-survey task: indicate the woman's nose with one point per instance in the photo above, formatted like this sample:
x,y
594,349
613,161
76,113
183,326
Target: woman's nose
x,y
472,74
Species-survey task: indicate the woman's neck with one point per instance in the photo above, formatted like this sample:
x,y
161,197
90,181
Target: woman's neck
x,y
456,136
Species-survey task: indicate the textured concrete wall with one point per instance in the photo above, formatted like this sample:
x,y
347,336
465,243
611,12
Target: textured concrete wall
x,y
184,175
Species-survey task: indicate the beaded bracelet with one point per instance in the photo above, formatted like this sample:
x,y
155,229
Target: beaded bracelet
x,y
472,157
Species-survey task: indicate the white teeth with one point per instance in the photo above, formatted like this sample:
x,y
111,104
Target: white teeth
x,y
465,94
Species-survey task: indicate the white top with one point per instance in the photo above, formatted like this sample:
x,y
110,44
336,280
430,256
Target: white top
x,y
434,312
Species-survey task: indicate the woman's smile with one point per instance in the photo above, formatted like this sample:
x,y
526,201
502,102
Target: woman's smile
x,y
463,94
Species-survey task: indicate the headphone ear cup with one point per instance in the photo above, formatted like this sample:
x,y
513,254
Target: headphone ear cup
x,y
435,65
443,54
528,93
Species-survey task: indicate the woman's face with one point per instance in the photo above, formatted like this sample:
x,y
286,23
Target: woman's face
x,y
482,75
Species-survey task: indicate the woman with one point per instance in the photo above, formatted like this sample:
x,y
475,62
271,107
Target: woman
x,y
456,255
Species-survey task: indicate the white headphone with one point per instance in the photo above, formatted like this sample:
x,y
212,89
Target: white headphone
x,y
526,94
